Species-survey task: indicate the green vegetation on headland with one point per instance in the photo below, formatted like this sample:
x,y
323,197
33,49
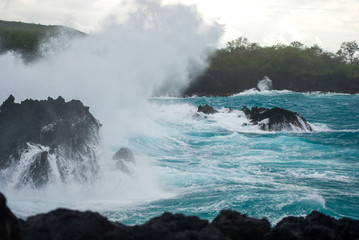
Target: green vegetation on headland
x,y
237,67
241,64
26,38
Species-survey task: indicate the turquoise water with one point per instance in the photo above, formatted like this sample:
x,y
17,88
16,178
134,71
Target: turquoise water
x,y
215,163
199,165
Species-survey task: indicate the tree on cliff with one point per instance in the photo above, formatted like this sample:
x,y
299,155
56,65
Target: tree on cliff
x,y
241,64
347,52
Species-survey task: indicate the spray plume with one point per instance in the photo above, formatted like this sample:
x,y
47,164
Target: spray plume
x,y
156,51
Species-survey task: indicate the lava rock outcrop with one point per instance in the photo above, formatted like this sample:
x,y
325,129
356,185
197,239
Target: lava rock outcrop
x,y
124,159
276,119
38,138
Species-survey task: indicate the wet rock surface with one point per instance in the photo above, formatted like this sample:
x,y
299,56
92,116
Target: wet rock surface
x,y
274,119
239,226
38,173
71,224
124,154
124,158
9,224
52,129
206,109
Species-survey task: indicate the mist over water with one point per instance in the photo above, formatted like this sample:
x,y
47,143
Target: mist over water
x,y
265,84
158,50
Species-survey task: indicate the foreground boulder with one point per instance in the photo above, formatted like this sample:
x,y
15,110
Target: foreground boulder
x,y
67,224
276,119
315,226
239,226
9,225
71,224
36,133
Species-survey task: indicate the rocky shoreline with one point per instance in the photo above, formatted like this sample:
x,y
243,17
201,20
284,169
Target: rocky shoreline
x,y
71,224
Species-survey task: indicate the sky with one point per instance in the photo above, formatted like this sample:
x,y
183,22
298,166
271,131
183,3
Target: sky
x,y
267,22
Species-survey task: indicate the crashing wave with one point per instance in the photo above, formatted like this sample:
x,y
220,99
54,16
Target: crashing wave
x,y
48,140
265,84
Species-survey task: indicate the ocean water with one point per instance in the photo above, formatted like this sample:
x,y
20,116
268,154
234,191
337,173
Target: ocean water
x,y
199,165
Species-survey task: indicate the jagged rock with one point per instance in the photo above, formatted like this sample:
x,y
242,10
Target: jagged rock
x,y
124,154
177,222
71,224
38,171
275,119
169,226
66,224
9,225
67,130
315,226
239,226
124,158
206,109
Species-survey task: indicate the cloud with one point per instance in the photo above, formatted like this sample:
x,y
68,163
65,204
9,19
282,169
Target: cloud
x,y
268,22
327,22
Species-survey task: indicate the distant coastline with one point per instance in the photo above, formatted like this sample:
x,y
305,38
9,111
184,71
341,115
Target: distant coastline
x,y
233,69
25,39
241,64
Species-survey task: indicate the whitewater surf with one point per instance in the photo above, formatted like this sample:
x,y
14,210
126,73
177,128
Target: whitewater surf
x,y
185,163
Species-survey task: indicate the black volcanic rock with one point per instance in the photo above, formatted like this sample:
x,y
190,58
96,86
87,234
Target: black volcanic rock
x,y
39,169
275,119
206,109
9,225
239,226
167,226
37,129
66,224
124,157
315,226
71,224
124,154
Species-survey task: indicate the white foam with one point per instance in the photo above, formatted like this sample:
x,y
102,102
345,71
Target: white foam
x,y
265,84
321,127
112,189
254,91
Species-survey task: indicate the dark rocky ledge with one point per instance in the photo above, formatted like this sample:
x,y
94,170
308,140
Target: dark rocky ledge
x,y
206,109
274,119
71,224
63,132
